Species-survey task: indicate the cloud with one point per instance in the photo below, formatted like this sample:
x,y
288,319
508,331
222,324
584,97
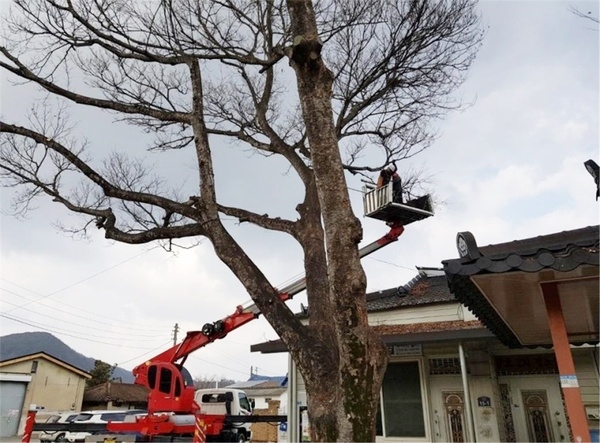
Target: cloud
x,y
508,167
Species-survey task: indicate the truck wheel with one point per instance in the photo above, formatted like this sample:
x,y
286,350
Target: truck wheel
x,y
60,438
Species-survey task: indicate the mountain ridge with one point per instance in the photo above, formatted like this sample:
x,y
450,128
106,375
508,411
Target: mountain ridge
x,y
26,343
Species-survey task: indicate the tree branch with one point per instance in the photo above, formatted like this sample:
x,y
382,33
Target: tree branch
x,y
23,72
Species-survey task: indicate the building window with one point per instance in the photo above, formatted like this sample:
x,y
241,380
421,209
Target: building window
x,y
34,365
401,411
444,366
152,376
164,384
526,364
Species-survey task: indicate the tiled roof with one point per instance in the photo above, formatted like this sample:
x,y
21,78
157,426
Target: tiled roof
x,y
277,378
422,290
275,391
428,288
111,391
246,384
260,381
562,252
428,327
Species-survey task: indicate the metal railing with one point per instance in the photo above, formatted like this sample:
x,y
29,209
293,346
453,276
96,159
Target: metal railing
x,y
377,198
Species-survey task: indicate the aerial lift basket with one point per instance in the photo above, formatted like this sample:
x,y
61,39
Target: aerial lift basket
x,y
379,204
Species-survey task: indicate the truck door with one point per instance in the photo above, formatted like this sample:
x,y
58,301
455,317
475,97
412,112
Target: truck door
x,y
245,408
169,389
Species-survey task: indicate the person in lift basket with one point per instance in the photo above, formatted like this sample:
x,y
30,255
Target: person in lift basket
x,y
391,174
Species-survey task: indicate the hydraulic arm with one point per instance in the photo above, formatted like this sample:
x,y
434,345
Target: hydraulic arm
x,y
171,386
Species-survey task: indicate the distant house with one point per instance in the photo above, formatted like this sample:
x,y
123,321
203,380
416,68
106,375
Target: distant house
x,y
262,389
113,395
37,380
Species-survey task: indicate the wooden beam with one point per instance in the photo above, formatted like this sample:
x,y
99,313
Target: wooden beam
x,y
566,367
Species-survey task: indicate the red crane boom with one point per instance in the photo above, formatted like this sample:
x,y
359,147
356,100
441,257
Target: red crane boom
x,y
171,386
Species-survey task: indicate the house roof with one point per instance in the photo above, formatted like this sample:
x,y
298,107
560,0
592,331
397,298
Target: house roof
x,y
246,384
429,287
421,290
260,382
267,386
412,328
111,391
266,392
43,355
277,379
502,284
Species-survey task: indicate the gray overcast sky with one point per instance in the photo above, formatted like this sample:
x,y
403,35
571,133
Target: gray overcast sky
x,y
508,167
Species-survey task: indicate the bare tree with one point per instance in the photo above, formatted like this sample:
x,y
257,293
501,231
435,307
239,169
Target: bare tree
x,y
587,16
370,77
212,382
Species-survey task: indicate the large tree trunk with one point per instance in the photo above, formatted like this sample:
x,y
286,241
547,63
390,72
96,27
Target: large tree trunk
x,y
426,49
345,383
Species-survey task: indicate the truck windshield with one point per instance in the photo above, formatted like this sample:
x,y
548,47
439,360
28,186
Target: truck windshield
x,y
214,398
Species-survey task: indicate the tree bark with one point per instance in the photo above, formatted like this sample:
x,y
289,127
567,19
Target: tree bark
x,y
148,58
345,405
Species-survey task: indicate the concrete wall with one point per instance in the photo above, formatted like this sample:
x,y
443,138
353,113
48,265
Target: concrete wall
x,y
52,387
420,314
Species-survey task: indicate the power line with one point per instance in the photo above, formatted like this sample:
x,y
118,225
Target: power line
x,y
145,353
78,336
74,315
229,357
82,280
220,366
391,264
264,371
148,337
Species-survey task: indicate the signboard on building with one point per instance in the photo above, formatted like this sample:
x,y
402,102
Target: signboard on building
x,y
405,350
483,401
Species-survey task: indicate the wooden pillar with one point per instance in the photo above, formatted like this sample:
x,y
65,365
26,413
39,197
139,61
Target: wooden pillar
x,y
566,367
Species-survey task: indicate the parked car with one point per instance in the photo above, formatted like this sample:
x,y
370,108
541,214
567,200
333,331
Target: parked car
x,y
57,436
103,416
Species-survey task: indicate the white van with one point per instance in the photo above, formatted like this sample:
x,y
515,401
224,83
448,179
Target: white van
x,y
103,416
57,436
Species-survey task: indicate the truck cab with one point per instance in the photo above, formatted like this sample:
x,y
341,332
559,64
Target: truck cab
x,y
227,402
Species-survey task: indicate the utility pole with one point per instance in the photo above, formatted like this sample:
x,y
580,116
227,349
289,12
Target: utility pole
x,y
175,331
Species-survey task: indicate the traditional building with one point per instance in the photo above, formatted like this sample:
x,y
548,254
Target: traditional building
x,y
532,293
113,395
455,376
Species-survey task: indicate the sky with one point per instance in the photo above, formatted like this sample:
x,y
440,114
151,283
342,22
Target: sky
x,y
508,167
